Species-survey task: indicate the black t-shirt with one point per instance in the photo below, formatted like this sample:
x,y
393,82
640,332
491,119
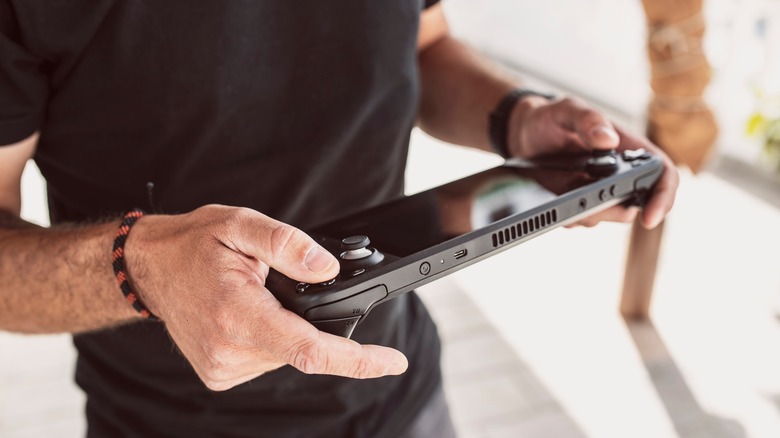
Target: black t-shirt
x,y
298,109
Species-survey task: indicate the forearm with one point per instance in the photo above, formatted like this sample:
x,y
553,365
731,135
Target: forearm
x,y
459,90
58,279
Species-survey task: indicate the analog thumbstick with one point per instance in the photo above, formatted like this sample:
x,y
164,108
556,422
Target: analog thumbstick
x,y
355,247
353,243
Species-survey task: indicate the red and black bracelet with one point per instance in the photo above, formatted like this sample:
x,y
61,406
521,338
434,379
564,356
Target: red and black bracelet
x,y
120,270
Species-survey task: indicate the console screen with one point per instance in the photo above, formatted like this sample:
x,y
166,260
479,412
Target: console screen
x,y
414,223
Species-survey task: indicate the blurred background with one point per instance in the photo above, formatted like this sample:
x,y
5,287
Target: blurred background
x,y
535,342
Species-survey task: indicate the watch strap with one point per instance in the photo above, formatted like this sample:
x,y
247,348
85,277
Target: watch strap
x,y
498,120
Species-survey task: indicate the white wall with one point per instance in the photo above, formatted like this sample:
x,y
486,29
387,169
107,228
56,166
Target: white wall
x,y
593,47
596,48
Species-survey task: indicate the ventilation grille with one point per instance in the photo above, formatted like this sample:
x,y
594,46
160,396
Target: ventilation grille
x,y
524,228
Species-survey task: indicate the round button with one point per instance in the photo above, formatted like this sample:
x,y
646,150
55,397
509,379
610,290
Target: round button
x,y
301,287
636,154
425,268
353,243
328,283
603,195
604,160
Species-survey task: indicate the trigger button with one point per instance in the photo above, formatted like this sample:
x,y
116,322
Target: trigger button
x,y
340,327
357,305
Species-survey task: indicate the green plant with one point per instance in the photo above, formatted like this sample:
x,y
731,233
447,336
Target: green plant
x,y
765,124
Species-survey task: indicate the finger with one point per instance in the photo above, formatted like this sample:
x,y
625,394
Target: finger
x,y
334,355
594,129
665,190
282,247
617,213
662,198
311,351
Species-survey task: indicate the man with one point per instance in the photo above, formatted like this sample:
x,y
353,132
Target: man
x,y
286,113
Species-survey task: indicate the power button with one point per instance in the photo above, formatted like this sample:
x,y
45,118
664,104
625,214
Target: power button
x,y
425,268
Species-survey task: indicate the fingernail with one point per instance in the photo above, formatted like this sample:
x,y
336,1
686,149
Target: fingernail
x,y
604,132
318,260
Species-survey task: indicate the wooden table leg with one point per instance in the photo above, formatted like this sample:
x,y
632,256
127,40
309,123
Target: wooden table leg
x,y
641,263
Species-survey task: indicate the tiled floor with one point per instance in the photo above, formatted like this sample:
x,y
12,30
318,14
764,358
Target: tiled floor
x,y
491,391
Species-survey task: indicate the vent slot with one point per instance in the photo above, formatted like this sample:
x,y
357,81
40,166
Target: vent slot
x,y
514,232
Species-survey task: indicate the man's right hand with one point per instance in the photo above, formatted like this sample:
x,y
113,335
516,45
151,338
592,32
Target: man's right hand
x,y
203,275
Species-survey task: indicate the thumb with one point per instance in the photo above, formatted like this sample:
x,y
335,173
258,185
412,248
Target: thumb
x,y
601,136
593,128
283,247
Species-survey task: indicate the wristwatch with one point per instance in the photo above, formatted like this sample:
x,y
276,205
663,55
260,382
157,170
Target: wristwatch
x,y
498,121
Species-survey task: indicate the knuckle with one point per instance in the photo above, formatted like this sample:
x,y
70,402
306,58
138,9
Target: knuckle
x,y
591,115
307,358
283,238
572,101
223,323
209,211
219,357
567,100
238,216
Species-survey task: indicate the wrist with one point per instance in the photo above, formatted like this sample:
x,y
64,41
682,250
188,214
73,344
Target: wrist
x,y
136,250
518,121
503,120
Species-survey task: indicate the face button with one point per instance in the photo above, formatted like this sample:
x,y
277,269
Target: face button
x,y
636,154
301,287
604,160
328,283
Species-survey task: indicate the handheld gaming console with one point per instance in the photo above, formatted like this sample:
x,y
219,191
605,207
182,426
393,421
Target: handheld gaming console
x,y
396,247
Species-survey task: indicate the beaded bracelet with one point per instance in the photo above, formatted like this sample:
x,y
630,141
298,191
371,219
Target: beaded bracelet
x,y
120,270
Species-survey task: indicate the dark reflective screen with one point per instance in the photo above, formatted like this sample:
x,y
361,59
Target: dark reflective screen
x,y
414,223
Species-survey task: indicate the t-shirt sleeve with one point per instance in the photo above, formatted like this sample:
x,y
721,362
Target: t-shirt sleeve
x,y
23,83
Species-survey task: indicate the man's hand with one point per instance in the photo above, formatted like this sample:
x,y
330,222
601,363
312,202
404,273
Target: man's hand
x,y
203,274
539,127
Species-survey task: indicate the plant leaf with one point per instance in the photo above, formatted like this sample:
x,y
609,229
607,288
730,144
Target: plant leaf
x,y
755,124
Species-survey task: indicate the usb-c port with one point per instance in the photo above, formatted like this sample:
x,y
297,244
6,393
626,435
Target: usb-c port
x,y
460,254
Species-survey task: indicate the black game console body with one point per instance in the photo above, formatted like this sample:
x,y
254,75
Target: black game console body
x,y
423,237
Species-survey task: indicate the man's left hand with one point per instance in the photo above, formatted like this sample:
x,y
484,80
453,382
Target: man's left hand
x,y
539,126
